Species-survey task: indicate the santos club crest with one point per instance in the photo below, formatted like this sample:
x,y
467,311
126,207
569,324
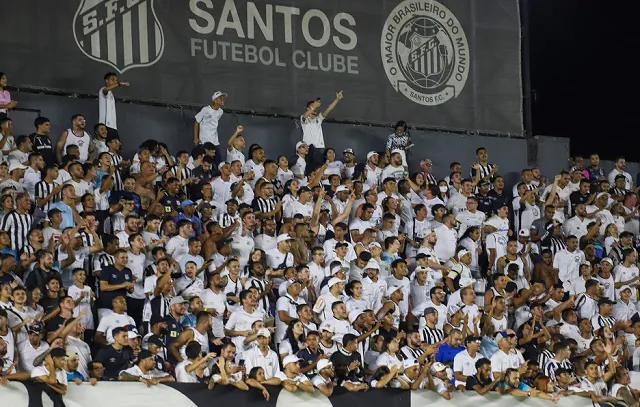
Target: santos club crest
x,y
425,53
124,34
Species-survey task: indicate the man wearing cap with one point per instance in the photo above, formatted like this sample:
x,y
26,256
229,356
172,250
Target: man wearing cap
x,y
464,363
502,359
373,172
145,371
431,334
349,160
262,356
189,213
605,318
287,308
31,348
441,382
324,380
205,127
280,258
16,173
49,378
624,309
324,304
373,287
299,162
291,378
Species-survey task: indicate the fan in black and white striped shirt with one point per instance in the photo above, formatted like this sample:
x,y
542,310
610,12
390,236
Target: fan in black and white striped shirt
x,y
487,171
113,142
603,317
560,360
412,349
17,223
430,334
266,202
46,192
181,171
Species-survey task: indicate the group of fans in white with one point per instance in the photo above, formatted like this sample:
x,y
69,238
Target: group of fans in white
x,y
309,272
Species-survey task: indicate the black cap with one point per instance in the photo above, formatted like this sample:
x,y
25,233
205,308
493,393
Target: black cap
x,y
562,370
156,319
155,339
144,354
35,328
483,183
605,300
341,244
58,353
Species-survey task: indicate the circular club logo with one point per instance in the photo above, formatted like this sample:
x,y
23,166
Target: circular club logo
x,y
425,52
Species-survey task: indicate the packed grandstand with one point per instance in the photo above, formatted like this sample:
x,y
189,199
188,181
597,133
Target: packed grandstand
x,y
323,271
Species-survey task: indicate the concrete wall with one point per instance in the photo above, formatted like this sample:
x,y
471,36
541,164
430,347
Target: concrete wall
x,y
137,123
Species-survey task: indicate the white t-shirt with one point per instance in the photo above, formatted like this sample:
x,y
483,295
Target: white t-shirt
x,y
218,302
208,119
40,371
111,321
312,130
183,377
107,109
85,304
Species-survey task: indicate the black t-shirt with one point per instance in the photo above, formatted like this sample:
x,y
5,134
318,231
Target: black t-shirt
x,y
42,144
343,360
49,304
114,361
473,380
308,358
499,200
171,203
175,329
113,276
54,323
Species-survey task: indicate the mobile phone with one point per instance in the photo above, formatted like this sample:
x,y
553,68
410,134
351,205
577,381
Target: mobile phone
x,y
241,362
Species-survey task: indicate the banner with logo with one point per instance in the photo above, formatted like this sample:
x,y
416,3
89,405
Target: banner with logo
x,y
444,63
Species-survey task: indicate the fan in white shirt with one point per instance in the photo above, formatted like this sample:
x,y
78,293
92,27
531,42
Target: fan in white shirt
x,y
205,128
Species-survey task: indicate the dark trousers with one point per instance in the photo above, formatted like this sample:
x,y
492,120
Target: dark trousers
x,y
134,310
314,159
35,394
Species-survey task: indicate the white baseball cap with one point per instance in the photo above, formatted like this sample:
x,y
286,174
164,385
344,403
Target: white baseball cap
x,y
323,363
333,281
217,94
17,166
353,315
264,332
524,233
372,265
300,144
342,188
371,154
290,359
393,289
438,367
283,238
396,151
408,363
463,253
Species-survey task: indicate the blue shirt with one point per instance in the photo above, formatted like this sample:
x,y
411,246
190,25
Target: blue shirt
x,y
74,375
488,347
67,215
446,353
188,319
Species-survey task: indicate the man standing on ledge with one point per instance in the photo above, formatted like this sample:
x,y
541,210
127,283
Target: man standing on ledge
x,y
312,135
205,128
107,102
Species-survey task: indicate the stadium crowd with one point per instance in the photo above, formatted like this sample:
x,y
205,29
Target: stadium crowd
x,y
316,272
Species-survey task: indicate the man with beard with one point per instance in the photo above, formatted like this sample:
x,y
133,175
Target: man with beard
x,y
349,161
395,169
76,135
